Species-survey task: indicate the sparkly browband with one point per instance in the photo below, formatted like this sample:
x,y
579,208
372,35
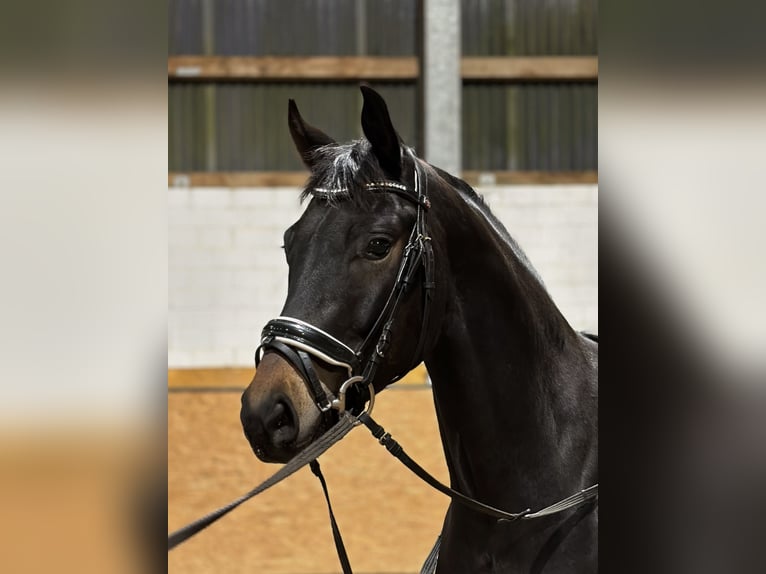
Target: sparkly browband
x,y
390,186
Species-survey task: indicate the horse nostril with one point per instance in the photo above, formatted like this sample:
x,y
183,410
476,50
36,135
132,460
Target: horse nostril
x,y
271,427
280,415
281,423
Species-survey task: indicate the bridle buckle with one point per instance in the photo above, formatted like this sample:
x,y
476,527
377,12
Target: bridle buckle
x,y
331,404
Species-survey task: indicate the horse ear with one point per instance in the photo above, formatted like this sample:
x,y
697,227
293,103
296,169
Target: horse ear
x,y
307,138
380,132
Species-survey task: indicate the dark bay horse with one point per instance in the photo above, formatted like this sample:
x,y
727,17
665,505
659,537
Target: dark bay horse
x,y
514,385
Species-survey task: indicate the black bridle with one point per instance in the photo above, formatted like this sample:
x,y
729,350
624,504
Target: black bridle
x,y
298,341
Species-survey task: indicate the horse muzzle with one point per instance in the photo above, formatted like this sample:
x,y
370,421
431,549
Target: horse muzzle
x,y
278,416
271,427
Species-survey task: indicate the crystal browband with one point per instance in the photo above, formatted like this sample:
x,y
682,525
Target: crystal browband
x,y
371,186
398,188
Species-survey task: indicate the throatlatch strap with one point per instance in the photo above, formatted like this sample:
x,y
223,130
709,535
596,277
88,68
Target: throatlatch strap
x,y
311,452
339,546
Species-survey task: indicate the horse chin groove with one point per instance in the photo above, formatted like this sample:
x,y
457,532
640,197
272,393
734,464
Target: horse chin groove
x,y
272,454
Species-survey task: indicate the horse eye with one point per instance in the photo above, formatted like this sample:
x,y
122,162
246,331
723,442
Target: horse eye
x,y
378,248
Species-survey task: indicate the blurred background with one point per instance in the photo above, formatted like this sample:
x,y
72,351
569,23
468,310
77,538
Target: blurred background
x,y
528,80
87,188
500,92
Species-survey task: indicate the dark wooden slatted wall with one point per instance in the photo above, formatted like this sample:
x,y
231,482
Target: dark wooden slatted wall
x,y
293,28
530,127
548,126
529,27
239,126
243,127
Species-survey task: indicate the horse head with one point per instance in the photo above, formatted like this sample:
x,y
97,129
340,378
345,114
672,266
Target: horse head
x,y
354,257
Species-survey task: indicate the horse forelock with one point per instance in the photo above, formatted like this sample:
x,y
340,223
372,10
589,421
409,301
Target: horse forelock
x,y
340,172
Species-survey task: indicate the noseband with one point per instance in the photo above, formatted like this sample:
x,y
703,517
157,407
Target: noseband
x,y
298,341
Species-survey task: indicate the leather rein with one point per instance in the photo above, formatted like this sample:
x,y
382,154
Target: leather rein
x,y
297,341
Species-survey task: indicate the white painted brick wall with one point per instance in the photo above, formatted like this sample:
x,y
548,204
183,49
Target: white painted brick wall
x,y
557,227
228,276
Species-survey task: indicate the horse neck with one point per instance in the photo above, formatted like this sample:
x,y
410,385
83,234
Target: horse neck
x,y
503,403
